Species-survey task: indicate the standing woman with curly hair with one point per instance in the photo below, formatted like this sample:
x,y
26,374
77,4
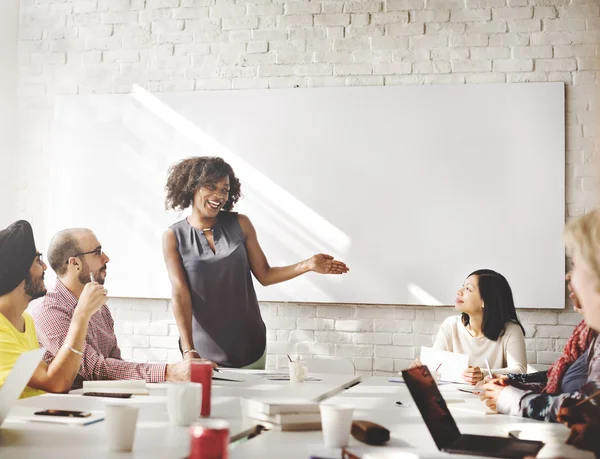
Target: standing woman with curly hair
x,y
210,257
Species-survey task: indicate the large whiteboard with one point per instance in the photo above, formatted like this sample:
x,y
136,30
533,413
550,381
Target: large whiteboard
x,y
413,186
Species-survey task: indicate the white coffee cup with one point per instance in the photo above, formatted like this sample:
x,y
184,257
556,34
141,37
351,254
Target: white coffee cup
x,y
120,422
336,421
183,402
298,371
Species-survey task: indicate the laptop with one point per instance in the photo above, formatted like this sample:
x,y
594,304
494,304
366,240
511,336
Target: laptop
x,y
17,380
444,430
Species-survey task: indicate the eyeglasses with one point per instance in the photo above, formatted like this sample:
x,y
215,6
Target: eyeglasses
x,y
97,251
39,258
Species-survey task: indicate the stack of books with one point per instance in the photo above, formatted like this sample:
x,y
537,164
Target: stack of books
x,y
285,415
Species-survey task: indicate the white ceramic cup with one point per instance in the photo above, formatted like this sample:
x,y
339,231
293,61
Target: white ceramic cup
x,y
336,421
298,371
121,421
183,402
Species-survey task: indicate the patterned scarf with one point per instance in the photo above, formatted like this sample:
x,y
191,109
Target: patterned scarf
x,y
578,343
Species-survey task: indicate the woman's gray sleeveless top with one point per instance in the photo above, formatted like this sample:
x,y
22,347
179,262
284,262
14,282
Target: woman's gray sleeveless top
x,y
226,322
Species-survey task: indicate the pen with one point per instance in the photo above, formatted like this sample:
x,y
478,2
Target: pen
x,y
487,364
92,277
589,399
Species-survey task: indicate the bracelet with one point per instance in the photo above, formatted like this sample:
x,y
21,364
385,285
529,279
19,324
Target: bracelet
x,y
73,350
189,350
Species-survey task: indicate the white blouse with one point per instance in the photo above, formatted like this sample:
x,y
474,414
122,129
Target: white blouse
x,y
506,355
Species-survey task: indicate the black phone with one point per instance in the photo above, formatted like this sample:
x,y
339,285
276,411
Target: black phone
x,y
64,413
107,394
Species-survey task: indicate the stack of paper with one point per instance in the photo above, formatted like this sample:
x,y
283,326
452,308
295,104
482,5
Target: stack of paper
x,y
130,386
284,414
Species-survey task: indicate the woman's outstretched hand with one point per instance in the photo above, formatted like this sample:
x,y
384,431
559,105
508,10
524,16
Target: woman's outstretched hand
x,y
325,264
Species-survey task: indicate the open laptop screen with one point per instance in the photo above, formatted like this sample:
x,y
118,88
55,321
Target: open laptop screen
x,y
17,380
432,406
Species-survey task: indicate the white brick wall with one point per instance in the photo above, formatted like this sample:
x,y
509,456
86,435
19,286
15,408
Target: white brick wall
x,y
9,13
106,46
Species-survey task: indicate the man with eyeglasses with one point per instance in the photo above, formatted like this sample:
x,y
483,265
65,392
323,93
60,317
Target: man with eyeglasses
x,y
21,281
78,259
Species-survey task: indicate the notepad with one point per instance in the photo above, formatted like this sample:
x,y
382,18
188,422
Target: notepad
x,y
452,364
129,386
26,414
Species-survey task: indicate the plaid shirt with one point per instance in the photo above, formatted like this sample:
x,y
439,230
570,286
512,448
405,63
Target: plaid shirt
x,y
545,407
101,355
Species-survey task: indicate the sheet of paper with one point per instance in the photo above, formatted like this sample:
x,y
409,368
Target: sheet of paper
x,y
452,365
236,376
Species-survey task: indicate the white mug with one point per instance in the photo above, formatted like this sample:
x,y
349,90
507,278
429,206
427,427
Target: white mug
x,y
298,371
183,402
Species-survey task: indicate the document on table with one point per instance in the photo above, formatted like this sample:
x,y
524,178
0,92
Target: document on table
x,y
452,364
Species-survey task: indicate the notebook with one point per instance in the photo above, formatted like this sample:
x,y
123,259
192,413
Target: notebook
x,y
129,386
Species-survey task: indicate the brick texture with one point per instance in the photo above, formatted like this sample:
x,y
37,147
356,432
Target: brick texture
x,y
106,46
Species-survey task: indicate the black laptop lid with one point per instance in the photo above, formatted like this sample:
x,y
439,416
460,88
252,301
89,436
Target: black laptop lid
x,y
432,406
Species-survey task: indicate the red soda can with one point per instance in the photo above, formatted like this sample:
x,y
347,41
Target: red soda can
x,y
201,372
210,439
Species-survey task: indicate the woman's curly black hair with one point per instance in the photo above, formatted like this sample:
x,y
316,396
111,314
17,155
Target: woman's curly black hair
x,y
188,175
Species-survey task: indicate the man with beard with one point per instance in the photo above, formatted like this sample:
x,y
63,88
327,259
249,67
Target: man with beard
x,y
22,280
78,260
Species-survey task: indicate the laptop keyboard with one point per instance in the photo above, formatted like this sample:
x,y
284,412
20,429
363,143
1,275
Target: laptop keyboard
x,y
493,446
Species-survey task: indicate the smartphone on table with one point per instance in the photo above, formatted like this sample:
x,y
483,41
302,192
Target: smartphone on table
x,y
64,413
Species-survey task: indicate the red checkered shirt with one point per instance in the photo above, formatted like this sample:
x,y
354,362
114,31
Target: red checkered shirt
x,y
101,355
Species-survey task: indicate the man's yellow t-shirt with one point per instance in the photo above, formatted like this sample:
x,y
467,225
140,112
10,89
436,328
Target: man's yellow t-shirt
x,y
12,344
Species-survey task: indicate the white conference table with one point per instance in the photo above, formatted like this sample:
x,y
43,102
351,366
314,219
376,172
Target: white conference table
x,y
375,400
155,437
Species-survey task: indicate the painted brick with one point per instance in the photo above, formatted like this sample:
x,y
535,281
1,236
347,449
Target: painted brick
x,y
542,318
284,323
333,337
471,15
513,65
288,310
525,12
395,352
372,338
353,350
528,52
383,364
151,329
354,325
167,342
335,312
557,331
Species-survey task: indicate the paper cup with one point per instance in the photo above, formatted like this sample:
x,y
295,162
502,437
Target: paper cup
x,y
183,402
120,422
336,421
